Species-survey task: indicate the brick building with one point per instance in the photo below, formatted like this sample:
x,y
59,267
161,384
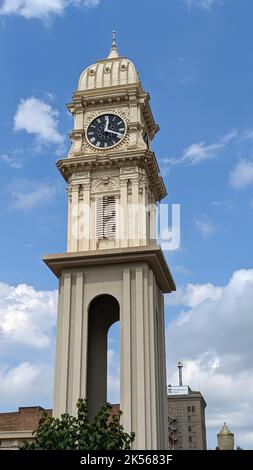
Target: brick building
x,y
16,427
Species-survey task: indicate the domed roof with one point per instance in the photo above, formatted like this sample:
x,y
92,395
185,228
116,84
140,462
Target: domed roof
x,y
225,431
112,71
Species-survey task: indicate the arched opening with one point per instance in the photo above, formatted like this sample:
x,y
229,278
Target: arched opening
x,y
103,312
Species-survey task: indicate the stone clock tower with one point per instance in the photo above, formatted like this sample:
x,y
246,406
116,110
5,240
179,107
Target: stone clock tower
x,y
113,269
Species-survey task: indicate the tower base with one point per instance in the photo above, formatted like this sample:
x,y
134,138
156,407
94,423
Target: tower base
x,y
95,289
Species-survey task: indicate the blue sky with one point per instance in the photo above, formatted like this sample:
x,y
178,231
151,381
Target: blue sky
x,y
195,58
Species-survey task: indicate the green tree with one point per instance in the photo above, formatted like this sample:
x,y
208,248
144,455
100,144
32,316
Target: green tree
x,y
70,433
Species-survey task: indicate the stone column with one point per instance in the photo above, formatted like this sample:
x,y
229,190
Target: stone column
x,y
74,217
69,241
124,219
85,218
153,221
142,359
136,212
125,353
143,213
93,241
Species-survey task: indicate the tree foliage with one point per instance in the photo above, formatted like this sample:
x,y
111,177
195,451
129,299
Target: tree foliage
x,y
72,433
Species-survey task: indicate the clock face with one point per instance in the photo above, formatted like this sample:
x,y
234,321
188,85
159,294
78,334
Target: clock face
x,y
106,131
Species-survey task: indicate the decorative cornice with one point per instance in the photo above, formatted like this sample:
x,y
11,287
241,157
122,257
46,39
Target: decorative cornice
x,y
141,158
116,95
152,255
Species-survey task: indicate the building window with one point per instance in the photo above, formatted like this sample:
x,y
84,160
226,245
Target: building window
x,y
180,439
169,409
189,418
179,418
188,409
189,429
179,429
106,217
189,438
193,409
179,409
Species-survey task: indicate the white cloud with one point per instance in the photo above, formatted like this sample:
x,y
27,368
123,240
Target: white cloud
x,y
39,118
42,9
27,331
198,152
27,316
28,195
213,334
242,174
26,384
205,226
206,4
194,294
11,161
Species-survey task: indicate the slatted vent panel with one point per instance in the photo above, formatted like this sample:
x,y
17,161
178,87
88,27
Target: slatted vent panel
x,y
106,217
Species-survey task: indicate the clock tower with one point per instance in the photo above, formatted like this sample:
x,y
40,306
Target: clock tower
x,y
113,269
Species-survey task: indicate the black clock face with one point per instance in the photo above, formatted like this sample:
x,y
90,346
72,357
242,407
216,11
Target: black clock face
x,y
106,130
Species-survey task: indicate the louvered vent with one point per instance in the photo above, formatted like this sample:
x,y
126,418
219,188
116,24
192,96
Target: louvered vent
x,y
106,217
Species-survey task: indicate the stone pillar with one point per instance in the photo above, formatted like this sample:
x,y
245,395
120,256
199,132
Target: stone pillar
x,y
124,219
84,229
153,219
143,372
69,241
143,213
135,212
74,218
71,344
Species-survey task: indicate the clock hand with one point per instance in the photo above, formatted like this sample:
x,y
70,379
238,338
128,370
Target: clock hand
x,y
107,124
113,132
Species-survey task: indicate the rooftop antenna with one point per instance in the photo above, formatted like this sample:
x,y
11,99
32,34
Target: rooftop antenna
x,y
180,372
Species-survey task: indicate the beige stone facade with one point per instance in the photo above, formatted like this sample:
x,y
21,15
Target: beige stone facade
x,y
102,278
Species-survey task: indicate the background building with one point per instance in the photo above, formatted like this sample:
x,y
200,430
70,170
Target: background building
x,y
19,426
225,438
186,417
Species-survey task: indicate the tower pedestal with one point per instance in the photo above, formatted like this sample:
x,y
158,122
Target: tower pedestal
x,y
96,289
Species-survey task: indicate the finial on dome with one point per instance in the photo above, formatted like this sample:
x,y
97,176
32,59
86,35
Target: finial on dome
x,y
114,50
